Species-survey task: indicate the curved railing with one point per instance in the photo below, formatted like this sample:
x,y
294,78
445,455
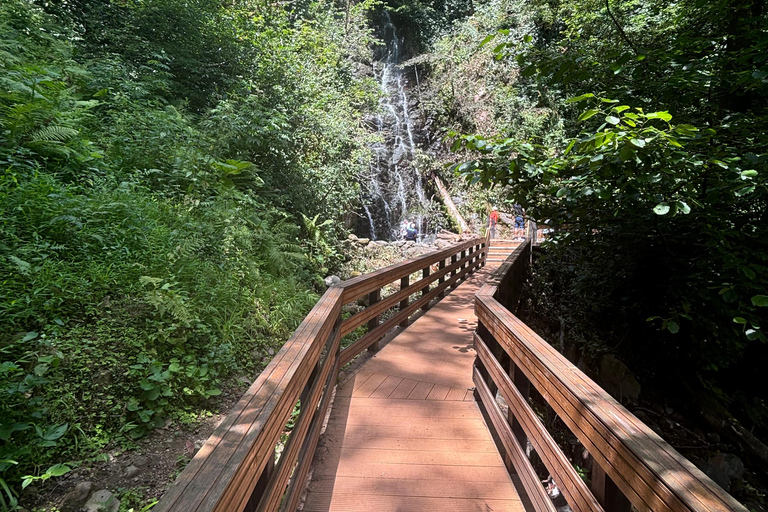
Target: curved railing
x,y
631,464
236,469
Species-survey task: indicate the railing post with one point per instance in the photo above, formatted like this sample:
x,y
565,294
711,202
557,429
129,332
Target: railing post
x,y
373,298
425,290
442,279
405,282
463,265
453,260
261,485
524,386
606,492
490,341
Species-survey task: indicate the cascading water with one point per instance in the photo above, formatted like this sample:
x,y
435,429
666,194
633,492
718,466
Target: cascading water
x,y
393,192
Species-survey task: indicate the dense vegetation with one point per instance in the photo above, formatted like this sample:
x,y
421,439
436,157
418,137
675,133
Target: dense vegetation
x,y
639,132
173,175
165,175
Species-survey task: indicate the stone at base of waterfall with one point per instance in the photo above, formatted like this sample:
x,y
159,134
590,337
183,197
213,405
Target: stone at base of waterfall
x,y
381,243
398,243
332,280
352,237
416,251
102,501
617,380
363,241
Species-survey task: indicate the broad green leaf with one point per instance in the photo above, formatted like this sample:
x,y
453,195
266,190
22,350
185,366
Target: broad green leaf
x,y
739,320
562,192
661,209
58,470
665,116
760,300
751,173
640,143
612,119
673,327
683,207
589,113
580,98
487,39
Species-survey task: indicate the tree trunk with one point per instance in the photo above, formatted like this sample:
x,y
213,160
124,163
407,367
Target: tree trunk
x,y
463,227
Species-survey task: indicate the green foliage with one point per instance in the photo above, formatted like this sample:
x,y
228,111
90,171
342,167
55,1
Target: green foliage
x,y
657,195
161,186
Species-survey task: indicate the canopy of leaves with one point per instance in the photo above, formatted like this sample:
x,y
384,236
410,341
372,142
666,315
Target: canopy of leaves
x,y
658,191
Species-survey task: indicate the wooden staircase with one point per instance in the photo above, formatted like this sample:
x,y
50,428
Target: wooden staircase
x,y
499,250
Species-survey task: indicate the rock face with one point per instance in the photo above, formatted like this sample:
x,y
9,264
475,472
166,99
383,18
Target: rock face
x,y
616,378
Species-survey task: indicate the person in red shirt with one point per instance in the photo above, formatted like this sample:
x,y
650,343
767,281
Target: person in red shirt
x,y
493,219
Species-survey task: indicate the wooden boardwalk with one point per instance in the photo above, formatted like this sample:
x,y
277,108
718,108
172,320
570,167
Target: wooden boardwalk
x,y
405,434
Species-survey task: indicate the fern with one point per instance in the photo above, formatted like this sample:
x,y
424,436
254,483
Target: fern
x,y
54,134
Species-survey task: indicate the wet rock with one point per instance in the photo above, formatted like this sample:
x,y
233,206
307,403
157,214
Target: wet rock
x,y
140,461
352,237
102,501
332,280
363,241
131,471
75,498
381,243
618,380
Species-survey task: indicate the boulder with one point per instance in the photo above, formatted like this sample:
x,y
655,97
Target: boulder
x,y
332,280
352,237
131,471
102,501
74,499
363,241
618,380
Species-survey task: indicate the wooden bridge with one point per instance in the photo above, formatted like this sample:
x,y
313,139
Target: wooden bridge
x,y
439,418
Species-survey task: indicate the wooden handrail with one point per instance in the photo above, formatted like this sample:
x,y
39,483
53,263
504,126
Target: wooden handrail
x,y
236,470
631,463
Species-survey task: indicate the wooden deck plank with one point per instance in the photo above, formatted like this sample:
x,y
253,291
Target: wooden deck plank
x,y
457,394
433,488
387,387
421,390
403,389
356,503
406,435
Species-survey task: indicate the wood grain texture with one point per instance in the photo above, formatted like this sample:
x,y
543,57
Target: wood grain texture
x,y
650,473
401,435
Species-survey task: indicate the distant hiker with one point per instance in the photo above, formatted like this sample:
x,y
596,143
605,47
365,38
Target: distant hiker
x,y
519,221
411,232
404,227
493,219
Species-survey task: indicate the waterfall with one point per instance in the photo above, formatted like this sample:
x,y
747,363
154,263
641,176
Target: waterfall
x,y
393,191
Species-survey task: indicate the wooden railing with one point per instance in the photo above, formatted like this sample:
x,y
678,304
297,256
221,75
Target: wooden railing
x,y
631,464
236,470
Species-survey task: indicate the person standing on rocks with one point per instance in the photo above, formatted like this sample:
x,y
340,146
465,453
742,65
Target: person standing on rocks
x,y
493,219
411,232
